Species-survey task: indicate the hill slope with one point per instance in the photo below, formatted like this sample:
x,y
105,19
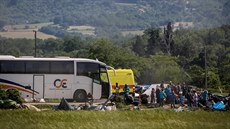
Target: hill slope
x,y
118,14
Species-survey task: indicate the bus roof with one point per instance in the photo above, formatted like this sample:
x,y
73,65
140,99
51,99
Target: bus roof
x,y
30,58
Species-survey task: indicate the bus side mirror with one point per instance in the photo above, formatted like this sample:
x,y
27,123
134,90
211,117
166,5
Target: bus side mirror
x,y
27,87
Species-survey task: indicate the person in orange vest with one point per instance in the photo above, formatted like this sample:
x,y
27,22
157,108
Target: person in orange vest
x,y
117,88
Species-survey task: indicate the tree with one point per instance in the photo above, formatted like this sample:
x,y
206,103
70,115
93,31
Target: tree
x,y
161,67
226,10
116,56
72,44
50,45
12,2
103,50
225,70
187,43
213,80
153,41
139,46
197,75
2,24
58,20
168,39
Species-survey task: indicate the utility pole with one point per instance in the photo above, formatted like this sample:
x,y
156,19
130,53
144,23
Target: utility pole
x,y
35,54
205,66
35,41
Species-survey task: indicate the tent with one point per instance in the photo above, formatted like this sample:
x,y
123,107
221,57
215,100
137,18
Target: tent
x,y
64,105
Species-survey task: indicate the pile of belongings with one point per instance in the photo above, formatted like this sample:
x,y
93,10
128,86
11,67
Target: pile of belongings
x,y
221,103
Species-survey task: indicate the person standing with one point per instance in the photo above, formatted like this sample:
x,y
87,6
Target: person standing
x,y
178,88
189,98
184,89
172,99
162,97
158,94
181,99
168,92
162,85
152,101
205,96
195,98
126,93
117,89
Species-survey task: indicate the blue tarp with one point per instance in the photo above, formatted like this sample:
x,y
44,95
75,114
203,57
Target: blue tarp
x,y
219,106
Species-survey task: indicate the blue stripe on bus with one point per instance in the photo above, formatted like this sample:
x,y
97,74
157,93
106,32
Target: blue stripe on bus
x,y
10,82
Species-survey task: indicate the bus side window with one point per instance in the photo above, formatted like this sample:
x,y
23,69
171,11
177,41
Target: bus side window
x,y
87,69
80,69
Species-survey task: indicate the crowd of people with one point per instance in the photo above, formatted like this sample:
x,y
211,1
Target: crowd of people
x,y
181,94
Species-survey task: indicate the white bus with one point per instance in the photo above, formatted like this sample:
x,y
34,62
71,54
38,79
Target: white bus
x,y
71,78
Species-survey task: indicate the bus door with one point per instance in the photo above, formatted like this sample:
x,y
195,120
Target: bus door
x,y
106,87
96,86
38,86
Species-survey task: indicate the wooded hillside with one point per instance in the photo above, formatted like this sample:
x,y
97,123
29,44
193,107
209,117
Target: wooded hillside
x,y
116,15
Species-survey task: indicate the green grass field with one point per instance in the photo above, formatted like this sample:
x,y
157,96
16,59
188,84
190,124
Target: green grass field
x,y
145,119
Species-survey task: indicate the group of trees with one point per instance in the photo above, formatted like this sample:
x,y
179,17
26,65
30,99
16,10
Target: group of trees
x,y
188,48
154,56
155,40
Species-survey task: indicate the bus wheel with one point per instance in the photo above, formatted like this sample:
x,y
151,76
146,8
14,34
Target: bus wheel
x,y
80,96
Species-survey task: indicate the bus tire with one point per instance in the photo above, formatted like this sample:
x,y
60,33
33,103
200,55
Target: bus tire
x,y
80,96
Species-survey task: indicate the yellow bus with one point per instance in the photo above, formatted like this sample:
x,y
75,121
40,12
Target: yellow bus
x,y
122,77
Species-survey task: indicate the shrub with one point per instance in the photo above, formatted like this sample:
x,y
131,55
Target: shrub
x,y
3,94
227,88
9,104
121,105
14,94
119,99
9,98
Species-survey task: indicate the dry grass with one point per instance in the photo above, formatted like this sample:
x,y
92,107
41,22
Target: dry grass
x,y
85,30
126,4
135,32
81,28
30,26
25,34
25,31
